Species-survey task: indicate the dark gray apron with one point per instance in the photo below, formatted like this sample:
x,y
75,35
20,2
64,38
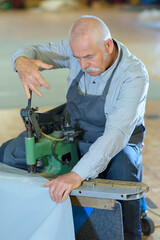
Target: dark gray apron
x,y
87,114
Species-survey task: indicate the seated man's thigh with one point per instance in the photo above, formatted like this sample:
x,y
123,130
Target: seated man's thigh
x,y
13,152
126,165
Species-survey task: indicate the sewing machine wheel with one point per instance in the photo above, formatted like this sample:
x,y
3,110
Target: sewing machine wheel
x,y
147,225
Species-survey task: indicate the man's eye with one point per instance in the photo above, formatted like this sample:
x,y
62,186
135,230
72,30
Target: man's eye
x,y
77,58
90,57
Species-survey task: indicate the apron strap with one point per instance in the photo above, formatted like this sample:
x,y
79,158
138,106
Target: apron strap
x,y
78,77
106,89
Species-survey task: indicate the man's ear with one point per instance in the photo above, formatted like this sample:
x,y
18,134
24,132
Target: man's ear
x,y
108,46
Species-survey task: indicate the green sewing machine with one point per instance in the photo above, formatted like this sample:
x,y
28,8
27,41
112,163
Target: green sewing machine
x,y
50,140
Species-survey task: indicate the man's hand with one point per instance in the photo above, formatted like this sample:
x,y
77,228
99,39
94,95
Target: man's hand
x,y
28,71
61,187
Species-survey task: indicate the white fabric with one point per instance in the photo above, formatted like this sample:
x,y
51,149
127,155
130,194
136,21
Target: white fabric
x,y
27,211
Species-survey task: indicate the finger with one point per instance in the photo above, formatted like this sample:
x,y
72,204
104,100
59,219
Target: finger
x,y
65,195
27,86
52,193
44,65
57,190
43,82
48,184
36,90
33,88
62,192
26,89
58,193
52,189
40,81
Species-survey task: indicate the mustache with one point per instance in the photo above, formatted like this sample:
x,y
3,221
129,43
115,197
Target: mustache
x,y
91,69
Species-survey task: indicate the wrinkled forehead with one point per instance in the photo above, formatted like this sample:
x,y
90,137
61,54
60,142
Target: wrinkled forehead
x,y
84,47
84,43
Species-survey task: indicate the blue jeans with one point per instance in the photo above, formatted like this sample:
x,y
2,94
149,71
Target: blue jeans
x,y
127,166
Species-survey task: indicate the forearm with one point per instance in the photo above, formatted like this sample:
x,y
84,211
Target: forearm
x,y
100,153
56,54
23,52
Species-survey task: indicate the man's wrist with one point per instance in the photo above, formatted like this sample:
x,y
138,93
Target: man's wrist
x,y
17,62
76,175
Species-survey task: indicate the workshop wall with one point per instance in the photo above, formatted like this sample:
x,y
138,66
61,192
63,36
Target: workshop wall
x,y
57,4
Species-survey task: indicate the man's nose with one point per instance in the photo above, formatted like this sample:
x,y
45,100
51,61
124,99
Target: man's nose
x,y
84,63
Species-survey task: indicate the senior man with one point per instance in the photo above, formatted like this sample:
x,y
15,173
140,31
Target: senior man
x,y
107,89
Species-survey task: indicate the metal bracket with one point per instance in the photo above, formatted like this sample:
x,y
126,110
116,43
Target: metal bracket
x,y
111,189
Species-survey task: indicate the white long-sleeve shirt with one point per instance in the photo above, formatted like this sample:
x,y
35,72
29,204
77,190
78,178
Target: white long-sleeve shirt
x,y
125,102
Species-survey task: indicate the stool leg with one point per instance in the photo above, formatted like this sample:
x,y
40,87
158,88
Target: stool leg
x,y
143,207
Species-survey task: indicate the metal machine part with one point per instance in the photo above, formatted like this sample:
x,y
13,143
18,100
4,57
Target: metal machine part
x,y
49,143
111,189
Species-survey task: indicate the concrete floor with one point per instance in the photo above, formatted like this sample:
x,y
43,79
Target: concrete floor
x,y
30,27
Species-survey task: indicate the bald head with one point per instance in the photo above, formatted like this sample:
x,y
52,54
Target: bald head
x,y
89,27
91,44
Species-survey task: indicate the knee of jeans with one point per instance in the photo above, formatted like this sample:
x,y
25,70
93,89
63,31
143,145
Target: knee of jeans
x,y
122,168
2,149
